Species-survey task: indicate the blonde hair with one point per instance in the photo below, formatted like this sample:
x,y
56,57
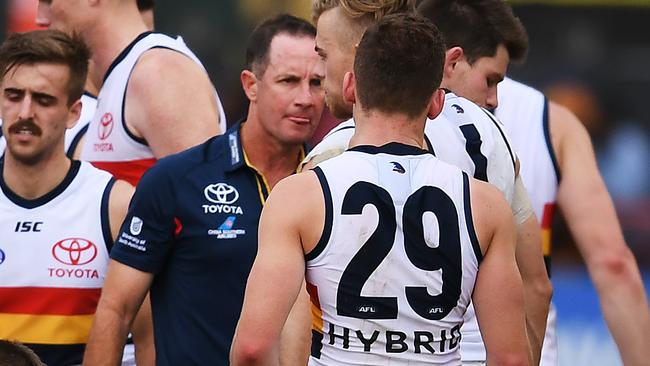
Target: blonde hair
x,y
372,9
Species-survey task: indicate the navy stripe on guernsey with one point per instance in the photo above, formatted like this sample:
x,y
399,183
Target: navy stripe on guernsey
x,y
469,219
392,148
124,124
40,201
59,355
75,141
503,135
124,53
473,147
549,142
429,145
105,215
329,216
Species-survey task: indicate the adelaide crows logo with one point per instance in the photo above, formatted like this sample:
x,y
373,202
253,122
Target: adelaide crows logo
x,y
397,167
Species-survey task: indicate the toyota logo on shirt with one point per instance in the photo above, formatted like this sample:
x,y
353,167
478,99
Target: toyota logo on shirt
x,y
74,251
105,126
221,193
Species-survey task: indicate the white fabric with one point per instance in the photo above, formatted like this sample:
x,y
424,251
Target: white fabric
x,y
400,176
107,139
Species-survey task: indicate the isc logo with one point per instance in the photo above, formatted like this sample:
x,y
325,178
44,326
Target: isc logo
x,y
28,226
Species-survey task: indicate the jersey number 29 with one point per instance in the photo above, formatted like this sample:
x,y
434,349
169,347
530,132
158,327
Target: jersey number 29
x,y
446,256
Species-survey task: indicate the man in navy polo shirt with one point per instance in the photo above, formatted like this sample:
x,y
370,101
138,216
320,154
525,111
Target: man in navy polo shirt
x,y
191,232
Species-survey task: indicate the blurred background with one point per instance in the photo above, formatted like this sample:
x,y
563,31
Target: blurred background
x,y
589,55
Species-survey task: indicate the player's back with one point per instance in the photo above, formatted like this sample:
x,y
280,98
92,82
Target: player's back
x,y
395,268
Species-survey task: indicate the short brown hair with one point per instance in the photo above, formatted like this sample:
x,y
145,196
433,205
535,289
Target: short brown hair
x,y
374,10
399,64
16,354
259,42
48,46
478,27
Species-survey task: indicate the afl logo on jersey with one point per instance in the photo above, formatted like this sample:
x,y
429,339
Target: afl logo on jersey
x,y
2,256
74,251
458,108
105,126
221,193
397,167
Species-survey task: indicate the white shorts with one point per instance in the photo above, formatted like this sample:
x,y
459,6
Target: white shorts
x,y
128,357
549,348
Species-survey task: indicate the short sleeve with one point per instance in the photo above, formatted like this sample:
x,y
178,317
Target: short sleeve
x,y
147,234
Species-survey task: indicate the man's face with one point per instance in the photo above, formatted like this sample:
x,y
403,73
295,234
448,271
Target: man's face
x,y
63,15
478,82
290,98
35,111
336,50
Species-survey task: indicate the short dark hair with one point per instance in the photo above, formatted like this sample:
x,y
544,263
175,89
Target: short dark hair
x,y
398,64
48,46
145,4
478,27
259,42
16,354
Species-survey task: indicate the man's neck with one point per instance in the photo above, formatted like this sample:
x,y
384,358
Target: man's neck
x,y
377,129
271,158
107,41
34,181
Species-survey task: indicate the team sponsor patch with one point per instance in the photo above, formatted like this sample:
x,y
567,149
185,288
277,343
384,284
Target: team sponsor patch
x,y
74,251
136,225
226,230
222,196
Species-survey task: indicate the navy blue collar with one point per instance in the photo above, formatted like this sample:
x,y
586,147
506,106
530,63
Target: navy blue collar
x,y
392,148
40,201
234,150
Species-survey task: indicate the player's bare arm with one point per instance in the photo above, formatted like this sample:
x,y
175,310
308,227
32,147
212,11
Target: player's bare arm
x,y
123,292
498,293
530,260
292,218
295,340
118,205
110,325
172,111
592,220
529,256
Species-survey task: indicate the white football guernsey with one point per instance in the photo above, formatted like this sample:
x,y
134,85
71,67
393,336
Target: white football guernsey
x,y
524,112
469,137
109,145
394,270
53,259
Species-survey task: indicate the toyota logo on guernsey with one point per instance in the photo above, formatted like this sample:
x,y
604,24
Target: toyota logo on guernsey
x,y
2,256
74,251
105,126
223,196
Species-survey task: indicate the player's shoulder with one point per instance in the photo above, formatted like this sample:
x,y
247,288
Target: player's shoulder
x,y
175,167
460,111
296,190
510,89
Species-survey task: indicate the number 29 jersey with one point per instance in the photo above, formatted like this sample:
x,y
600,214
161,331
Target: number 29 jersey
x,y
394,271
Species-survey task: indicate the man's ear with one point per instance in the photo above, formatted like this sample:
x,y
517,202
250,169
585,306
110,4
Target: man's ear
x,y
437,103
349,88
249,84
73,114
452,57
